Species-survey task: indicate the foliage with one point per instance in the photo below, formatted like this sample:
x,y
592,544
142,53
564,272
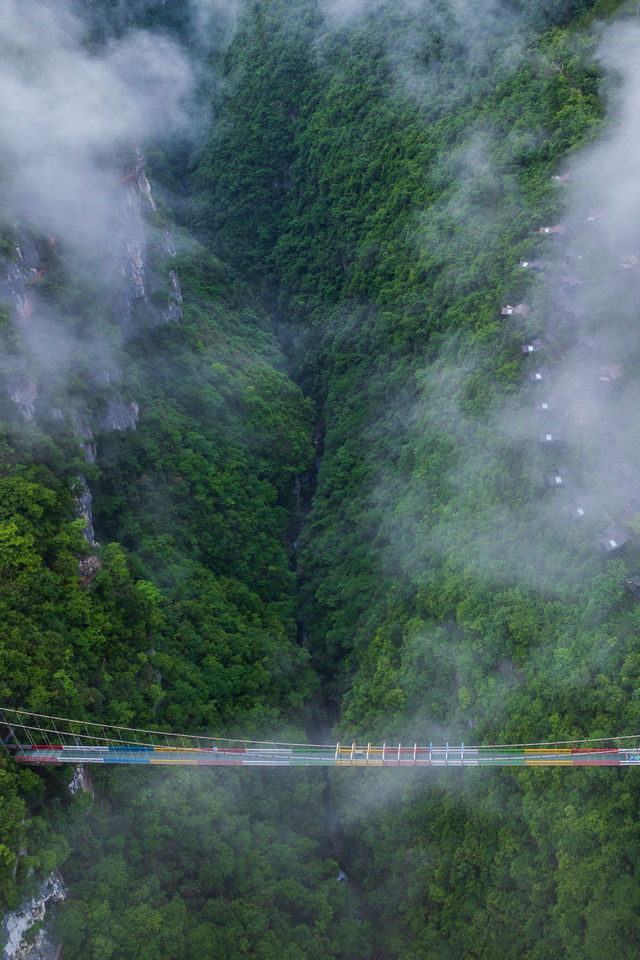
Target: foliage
x,y
213,866
366,191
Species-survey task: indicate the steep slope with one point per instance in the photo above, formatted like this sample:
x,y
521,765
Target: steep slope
x,y
369,185
444,588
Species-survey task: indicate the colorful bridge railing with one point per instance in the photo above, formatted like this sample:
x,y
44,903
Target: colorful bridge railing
x,y
38,739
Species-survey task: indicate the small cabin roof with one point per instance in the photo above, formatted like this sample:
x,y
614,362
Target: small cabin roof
x,y
633,584
545,406
556,228
628,261
521,309
539,375
609,372
534,345
612,538
538,265
557,478
562,177
555,437
576,510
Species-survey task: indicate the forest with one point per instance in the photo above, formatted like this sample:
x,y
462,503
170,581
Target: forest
x,y
275,463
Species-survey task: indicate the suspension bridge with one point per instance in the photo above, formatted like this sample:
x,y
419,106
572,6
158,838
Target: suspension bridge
x,y
35,738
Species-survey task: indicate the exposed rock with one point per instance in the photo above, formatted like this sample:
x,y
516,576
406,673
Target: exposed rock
x,y
27,253
134,267
13,290
83,501
120,415
24,393
104,376
80,779
144,188
137,202
14,931
88,443
130,239
168,244
173,310
88,568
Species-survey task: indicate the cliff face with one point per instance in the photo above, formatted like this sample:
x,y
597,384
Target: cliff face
x,y
135,271
135,207
140,253
19,272
18,943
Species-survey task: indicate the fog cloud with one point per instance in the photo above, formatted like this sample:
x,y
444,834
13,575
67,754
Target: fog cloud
x,y
67,115
435,47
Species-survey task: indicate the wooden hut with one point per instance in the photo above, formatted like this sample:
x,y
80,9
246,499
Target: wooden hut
x,y
557,478
534,347
612,539
552,440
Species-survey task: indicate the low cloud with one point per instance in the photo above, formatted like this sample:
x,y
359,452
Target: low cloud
x,y
68,116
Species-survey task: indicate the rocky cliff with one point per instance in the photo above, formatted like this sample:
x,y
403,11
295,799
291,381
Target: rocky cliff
x,y
23,932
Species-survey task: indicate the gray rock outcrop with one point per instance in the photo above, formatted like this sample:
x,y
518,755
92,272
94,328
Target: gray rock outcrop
x,y
83,501
14,932
120,415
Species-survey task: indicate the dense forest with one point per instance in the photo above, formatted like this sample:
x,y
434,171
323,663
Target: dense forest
x,y
274,462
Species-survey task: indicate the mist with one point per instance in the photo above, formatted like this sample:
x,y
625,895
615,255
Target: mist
x,y
583,309
68,117
435,49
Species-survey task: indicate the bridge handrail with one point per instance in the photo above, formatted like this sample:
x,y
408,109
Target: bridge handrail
x,y
14,716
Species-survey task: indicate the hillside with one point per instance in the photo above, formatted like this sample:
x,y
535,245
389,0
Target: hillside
x,y
319,367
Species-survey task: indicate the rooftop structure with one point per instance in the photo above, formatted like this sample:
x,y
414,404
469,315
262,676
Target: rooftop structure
x,y
562,177
539,375
558,228
534,347
538,265
628,261
544,406
521,310
610,372
576,510
633,585
557,478
612,539
553,440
